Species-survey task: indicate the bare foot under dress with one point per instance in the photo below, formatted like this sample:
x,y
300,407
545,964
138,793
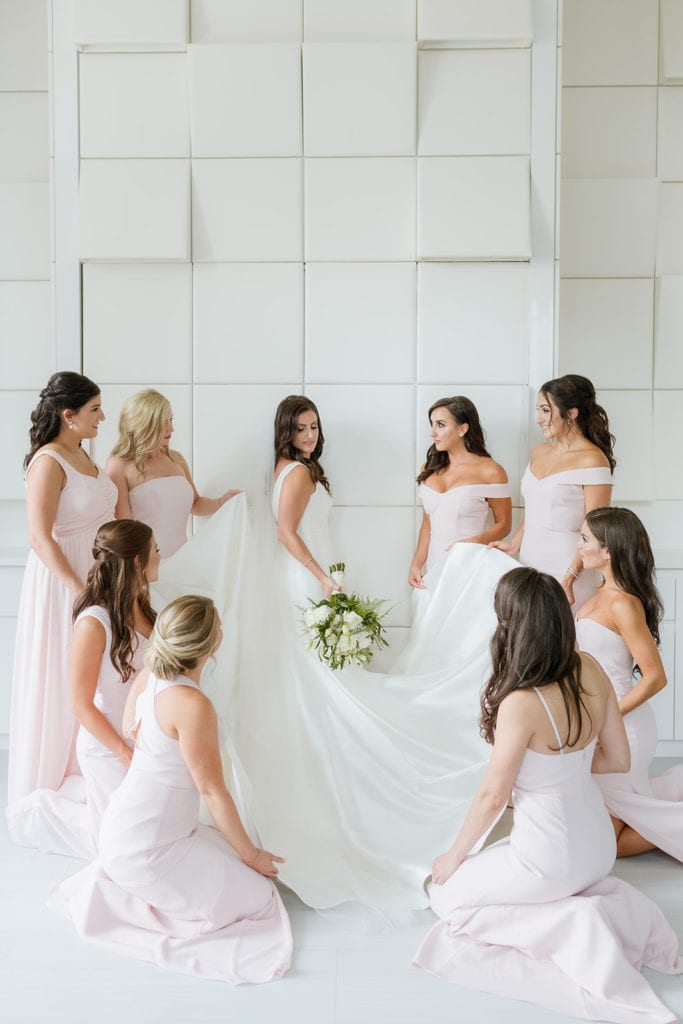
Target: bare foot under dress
x,y
653,807
166,889
534,916
45,785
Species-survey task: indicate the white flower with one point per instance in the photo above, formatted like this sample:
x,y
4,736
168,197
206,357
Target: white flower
x,y
320,614
352,619
363,640
347,644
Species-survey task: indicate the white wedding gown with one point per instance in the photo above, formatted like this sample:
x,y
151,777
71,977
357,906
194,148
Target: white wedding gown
x,y
360,778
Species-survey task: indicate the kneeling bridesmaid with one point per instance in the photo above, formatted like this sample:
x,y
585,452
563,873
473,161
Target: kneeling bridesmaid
x,y
166,889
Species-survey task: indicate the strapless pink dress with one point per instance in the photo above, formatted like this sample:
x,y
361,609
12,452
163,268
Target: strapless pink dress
x,y
554,511
534,916
653,807
166,889
42,753
456,514
164,503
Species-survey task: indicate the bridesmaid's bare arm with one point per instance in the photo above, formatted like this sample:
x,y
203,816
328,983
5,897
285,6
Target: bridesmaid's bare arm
x,y
629,618
44,483
85,662
117,471
202,506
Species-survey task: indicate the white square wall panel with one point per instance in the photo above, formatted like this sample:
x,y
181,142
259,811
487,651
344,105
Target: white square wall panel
x,y
360,322
137,322
131,22
670,134
670,229
357,21
25,233
668,430
474,208
605,331
608,227
15,408
475,23
366,425
24,136
245,100
134,105
671,34
359,100
631,422
234,21
246,210
23,45
473,323
610,42
609,132
134,209
669,332
474,102
27,356
113,397
360,209
248,322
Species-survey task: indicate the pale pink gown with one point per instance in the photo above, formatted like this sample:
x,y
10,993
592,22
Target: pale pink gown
x,y
554,511
164,503
166,889
42,754
534,916
456,514
653,807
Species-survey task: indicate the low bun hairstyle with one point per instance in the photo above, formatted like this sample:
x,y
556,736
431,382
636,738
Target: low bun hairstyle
x,y
185,631
463,412
64,390
288,411
575,392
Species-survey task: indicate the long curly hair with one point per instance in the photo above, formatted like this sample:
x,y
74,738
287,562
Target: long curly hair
x,y
121,550
142,423
64,390
463,412
576,392
534,645
631,559
186,630
288,411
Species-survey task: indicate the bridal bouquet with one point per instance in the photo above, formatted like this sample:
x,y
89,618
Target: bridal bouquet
x,y
344,627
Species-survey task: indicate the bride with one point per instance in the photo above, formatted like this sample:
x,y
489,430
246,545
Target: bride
x,y
354,776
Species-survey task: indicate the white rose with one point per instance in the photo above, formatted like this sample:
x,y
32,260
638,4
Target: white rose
x,y
352,619
346,644
364,641
320,614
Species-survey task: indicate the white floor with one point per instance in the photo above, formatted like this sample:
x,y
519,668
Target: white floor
x,y
340,975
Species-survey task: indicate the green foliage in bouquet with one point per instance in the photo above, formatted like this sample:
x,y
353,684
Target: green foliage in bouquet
x,y
344,628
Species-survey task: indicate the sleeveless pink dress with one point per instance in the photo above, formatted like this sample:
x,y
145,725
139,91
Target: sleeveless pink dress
x,y
653,807
515,917
164,503
166,889
456,514
554,511
42,728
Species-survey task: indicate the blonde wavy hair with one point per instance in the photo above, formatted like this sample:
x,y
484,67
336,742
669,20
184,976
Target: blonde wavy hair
x,y
141,427
184,632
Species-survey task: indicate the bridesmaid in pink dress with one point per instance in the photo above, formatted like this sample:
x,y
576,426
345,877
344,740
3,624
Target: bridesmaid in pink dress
x,y
515,916
567,476
465,484
154,482
620,628
68,498
166,889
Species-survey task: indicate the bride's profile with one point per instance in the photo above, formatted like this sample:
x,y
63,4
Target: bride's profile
x,y
353,774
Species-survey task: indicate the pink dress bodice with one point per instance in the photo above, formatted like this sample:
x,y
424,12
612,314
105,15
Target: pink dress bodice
x,y
457,514
164,503
85,502
610,650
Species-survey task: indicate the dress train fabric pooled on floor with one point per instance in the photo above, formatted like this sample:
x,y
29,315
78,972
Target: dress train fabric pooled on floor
x,y
355,776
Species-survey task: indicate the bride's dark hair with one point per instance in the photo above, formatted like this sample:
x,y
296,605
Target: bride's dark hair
x,y
534,645
576,392
288,411
463,412
64,390
631,559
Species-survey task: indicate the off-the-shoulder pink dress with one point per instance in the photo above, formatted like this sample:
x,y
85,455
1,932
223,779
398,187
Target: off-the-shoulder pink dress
x,y
456,514
653,807
554,510
43,729
536,916
164,503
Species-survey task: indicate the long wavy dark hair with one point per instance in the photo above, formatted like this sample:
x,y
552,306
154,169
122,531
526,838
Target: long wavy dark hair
x,y
121,550
288,411
633,564
534,645
463,412
64,390
576,392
